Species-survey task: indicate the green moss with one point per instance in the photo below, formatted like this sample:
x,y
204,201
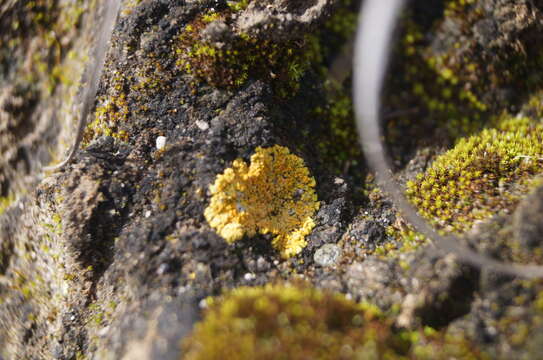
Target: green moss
x,y
243,57
111,112
50,24
337,141
339,144
126,96
301,322
461,83
101,313
405,239
344,21
481,175
457,7
237,5
55,226
5,202
433,88
457,87
539,302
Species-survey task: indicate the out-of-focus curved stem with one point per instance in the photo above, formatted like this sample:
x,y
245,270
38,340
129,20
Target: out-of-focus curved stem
x,y
94,72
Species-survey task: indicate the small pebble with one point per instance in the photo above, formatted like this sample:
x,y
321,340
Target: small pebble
x,y
262,264
160,142
202,125
327,255
249,277
103,332
162,269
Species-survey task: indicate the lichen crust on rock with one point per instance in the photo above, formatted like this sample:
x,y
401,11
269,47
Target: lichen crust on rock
x,y
274,194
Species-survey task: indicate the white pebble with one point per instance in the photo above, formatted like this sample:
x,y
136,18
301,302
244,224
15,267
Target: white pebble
x,y
249,276
202,125
103,332
160,142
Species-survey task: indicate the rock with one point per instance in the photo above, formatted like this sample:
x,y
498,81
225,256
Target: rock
x,y
374,281
327,255
528,227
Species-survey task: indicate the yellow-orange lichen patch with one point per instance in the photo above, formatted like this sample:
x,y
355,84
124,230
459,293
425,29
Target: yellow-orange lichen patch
x,y
273,194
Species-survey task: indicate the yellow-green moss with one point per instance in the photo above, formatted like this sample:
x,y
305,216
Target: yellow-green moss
x,y
405,240
111,112
435,88
274,194
50,25
5,202
339,144
481,175
459,84
301,322
237,5
243,56
453,7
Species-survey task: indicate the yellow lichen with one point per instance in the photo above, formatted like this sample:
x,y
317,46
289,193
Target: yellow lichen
x,y
274,194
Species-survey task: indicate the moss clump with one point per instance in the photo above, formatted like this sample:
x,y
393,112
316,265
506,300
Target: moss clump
x,y
507,60
434,90
335,133
405,240
111,113
339,143
275,194
300,322
228,62
128,94
457,6
459,62
237,5
50,24
481,175
5,202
